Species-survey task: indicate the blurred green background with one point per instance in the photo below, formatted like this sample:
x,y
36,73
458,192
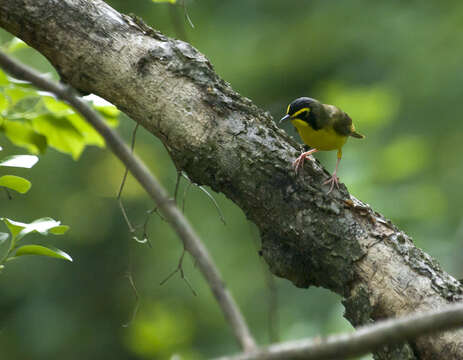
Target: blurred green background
x,y
394,67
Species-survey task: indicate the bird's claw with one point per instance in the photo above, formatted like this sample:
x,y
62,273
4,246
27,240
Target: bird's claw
x,y
299,162
333,180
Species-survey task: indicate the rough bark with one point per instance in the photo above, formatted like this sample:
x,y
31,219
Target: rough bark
x,y
222,140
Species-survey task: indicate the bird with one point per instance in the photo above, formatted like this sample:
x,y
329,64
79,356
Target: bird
x,y
322,127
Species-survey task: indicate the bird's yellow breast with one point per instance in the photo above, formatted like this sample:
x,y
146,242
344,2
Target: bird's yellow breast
x,y
323,139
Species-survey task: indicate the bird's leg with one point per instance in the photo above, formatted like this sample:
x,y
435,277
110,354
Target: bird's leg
x,y
334,180
299,162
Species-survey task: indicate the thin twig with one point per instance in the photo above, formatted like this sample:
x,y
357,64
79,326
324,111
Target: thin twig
x,y
364,340
132,229
272,312
177,184
186,14
185,192
166,206
132,147
217,207
121,188
272,307
209,195
179,268
179,24
137,300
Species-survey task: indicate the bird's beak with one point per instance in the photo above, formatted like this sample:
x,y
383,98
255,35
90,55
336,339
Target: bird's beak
x,y
286,117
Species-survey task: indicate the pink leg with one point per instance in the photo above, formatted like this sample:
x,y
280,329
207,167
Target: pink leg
x,y
299,162
333,180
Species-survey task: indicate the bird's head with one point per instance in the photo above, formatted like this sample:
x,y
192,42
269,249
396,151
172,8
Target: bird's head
x,y
305,109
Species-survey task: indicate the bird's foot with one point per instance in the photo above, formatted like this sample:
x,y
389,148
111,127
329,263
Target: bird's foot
x,y
299,162
333,180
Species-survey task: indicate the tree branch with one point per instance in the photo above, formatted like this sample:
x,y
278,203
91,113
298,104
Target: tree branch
x,y
364,340
221,139
166,205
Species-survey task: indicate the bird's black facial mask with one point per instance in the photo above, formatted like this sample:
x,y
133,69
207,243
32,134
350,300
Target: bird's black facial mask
x,y
305,109
299,109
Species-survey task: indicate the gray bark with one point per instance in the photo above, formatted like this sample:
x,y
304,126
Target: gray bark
x,y
222,140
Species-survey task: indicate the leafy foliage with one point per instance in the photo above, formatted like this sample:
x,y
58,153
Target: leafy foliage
x,y
15,183
35,120
18,230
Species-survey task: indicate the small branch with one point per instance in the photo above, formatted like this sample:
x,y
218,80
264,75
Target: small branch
x,y
179,269
366,339
126,172
137,300
177,184
186,15
273,328
209,195
166,206
178,23
185,193
132,228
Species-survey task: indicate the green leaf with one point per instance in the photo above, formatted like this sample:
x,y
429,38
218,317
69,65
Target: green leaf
x,y
3,237
3,101
16,183
91,136
16,94
42,251
59,230
60,133
3,79
15,44
57,107
22,134
110,114
43,226
14,227
24,161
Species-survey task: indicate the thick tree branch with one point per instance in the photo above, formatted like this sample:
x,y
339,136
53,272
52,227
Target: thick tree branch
x,y
366,339
166,205
221,139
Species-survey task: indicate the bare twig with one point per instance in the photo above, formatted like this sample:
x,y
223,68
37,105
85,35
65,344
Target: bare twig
x,y
137,299
132,147
179,268
186,14
272,307
272,298
178,23
177,184
121,188
209,195
362,341
132,229
185,193
167,207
